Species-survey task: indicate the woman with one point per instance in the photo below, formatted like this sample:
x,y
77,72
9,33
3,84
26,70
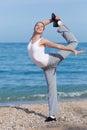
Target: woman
x,y
49,62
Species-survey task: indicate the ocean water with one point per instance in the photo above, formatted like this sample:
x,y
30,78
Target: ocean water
x,y
22,81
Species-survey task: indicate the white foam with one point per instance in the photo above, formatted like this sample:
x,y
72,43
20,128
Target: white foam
x,y
72,94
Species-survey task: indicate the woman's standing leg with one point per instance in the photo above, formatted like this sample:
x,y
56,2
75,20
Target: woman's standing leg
x,y
50,75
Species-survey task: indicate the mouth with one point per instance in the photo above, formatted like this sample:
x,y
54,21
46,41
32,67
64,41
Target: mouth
x,y
40,30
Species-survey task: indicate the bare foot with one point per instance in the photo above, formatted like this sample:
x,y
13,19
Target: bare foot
x,y
79,52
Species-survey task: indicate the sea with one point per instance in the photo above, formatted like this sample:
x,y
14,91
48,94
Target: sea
x,y
21,81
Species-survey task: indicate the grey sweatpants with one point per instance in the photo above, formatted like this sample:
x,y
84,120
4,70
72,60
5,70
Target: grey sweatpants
x,y
50,70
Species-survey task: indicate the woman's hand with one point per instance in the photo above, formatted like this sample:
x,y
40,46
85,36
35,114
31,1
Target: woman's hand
x,y
54,17
57,18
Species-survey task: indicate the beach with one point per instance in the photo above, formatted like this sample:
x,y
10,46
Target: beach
x,y
17,87
72,116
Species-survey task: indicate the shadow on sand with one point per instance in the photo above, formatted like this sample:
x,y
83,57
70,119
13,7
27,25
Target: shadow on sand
x,y
30,112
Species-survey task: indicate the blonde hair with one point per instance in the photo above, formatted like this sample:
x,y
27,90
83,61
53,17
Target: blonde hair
x,y
39,22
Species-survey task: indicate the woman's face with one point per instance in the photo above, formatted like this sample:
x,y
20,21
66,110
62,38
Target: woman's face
x,y
39,28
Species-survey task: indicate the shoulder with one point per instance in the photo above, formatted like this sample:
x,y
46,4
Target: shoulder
x,y
44,41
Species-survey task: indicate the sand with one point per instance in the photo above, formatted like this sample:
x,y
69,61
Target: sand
x,y
72,116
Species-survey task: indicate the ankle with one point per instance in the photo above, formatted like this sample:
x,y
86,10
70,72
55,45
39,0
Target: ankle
x,y
60,23
52,117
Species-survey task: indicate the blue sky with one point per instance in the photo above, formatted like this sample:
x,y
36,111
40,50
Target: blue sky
x,y
17,18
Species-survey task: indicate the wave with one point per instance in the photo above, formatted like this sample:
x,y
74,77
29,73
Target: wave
x,y
64,95
61,95
80,94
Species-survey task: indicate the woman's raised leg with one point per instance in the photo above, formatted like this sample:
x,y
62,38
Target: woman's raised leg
x,y
69,37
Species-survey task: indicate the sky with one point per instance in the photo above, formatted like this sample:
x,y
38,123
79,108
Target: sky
x,y
18,17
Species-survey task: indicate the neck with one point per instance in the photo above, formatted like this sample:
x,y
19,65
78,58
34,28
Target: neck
x,y
36,37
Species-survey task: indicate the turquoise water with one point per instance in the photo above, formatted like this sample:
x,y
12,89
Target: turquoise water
x,y
21,80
